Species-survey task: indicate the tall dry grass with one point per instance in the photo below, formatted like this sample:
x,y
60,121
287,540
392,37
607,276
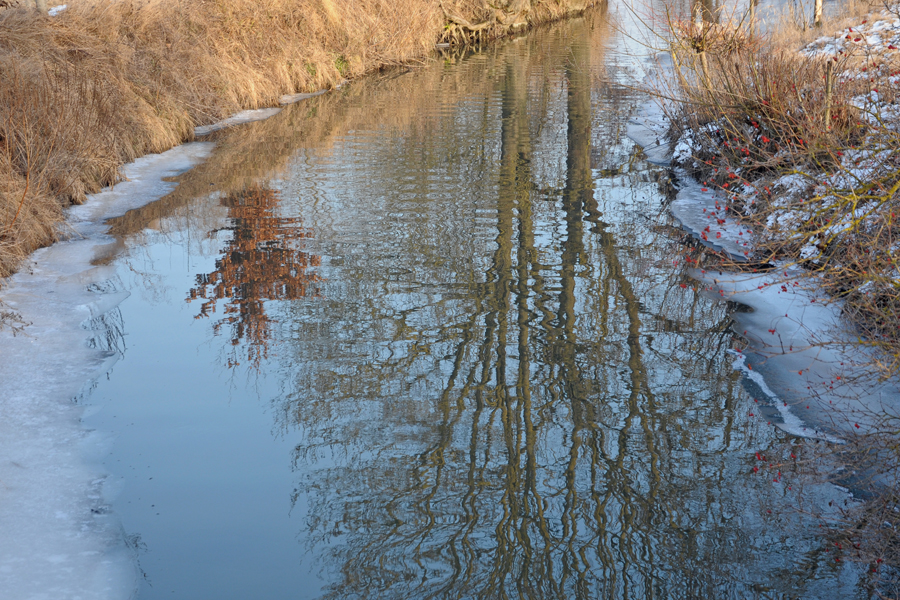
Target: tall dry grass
x,y
110,80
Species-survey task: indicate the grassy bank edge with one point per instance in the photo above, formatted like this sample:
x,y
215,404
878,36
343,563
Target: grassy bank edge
x,y
103,83
803,146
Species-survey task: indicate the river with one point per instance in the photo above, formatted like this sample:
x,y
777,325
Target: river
x,y
430,336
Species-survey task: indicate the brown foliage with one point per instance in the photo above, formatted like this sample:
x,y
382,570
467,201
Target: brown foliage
x,y
263,261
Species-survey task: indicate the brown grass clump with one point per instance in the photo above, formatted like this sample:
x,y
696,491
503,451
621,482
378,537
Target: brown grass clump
x,y
107,81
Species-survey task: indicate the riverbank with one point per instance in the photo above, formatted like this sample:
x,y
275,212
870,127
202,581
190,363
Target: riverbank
x,y
99,84
798,135
792,141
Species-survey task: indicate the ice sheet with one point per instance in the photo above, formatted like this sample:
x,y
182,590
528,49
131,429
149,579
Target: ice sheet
x,y
58,539
701,211
245,116
799,346
649,127
292,98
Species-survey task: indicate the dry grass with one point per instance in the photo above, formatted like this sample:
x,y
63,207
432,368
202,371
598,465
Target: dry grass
x,y
757,113
105,82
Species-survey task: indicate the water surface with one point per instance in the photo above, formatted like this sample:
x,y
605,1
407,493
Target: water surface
x,y
429,336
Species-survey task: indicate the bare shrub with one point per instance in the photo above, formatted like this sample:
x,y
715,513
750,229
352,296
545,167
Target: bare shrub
x,y
758,113
805,148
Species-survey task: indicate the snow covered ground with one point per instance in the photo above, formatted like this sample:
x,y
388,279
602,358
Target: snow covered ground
x,y
873,38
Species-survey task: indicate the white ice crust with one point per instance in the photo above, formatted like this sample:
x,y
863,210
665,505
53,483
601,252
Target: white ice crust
x,y
245,116
799,347
58,540
702,211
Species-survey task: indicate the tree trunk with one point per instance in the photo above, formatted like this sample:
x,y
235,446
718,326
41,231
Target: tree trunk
x,y
829,87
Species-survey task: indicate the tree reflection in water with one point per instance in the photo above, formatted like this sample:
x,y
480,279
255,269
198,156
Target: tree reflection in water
x,y
496,417
262,261
509,391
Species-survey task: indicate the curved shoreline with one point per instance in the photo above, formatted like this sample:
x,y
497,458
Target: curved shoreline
x,y
819,360
785,334
54,509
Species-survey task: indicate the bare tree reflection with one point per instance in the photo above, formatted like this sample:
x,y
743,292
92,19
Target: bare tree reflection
x,y
508,392
505,435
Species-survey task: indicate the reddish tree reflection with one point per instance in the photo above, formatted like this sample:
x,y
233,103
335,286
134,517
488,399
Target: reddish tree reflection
x,y
263,261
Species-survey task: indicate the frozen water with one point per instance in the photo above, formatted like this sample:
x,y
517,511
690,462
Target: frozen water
x,y
703,213
58,539
648,128
799,346
292,98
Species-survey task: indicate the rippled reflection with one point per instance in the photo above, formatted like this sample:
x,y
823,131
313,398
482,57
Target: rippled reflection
x,y
521,400
261,262
502,387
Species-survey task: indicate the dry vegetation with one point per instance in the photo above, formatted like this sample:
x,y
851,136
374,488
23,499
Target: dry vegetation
x,y
757,111
107,81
